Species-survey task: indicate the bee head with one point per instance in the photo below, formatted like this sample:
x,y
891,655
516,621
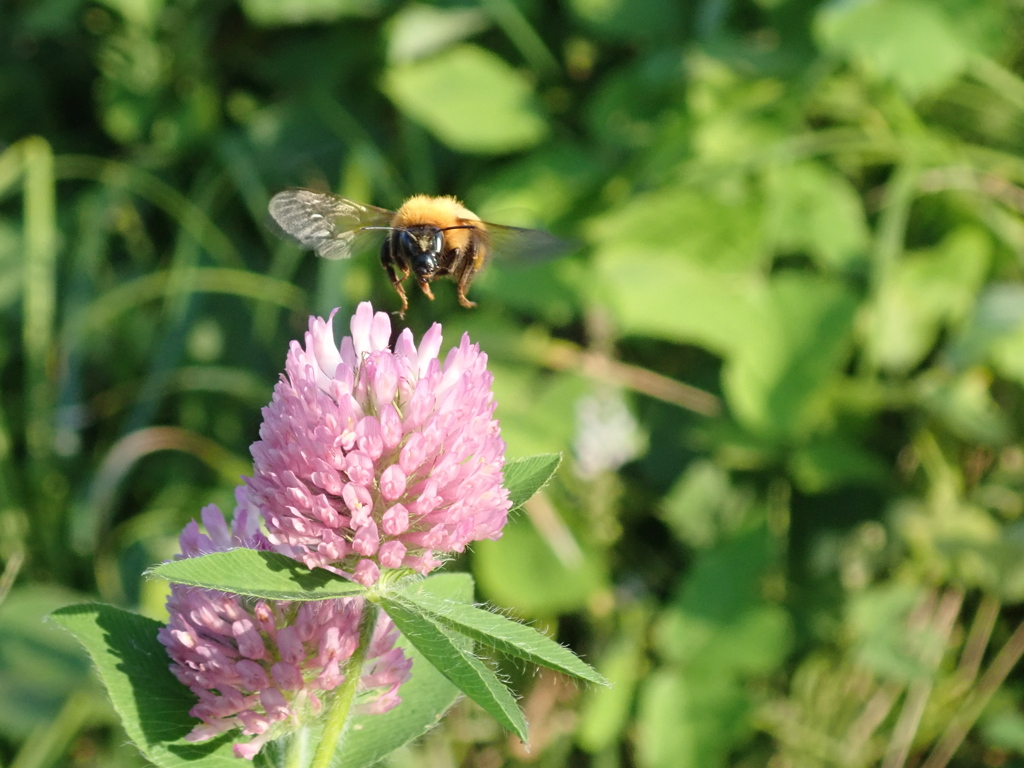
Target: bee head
x,y
421,247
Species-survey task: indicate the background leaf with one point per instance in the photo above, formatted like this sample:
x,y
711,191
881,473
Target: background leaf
x,y
40,666
491,113
522,571
296,12
909,41
780,371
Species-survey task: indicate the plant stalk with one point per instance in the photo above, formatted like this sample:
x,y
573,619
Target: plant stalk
x,y
298,749
338,710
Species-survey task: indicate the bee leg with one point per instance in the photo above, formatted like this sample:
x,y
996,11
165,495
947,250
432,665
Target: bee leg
x,y
396,282
401,294
463,286
465,272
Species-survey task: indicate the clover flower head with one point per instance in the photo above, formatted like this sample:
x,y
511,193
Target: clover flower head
x,y
260,666
377,457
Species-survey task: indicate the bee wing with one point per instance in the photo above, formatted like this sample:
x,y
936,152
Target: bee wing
x,y
525,245
327,224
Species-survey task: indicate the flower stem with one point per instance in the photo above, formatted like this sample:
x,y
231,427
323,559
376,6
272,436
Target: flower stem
x,y
338,709
298,749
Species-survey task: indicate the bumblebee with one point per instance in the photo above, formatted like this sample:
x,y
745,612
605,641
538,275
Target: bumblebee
x,y
427,237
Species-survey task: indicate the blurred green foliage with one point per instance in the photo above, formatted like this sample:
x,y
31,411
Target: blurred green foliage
x,y
787,364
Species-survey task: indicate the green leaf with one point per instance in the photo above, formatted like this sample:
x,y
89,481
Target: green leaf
x,y
924,292
551,290
1003,728
538,189
633,20
525,476
778,381
40,666
719,609
961,542
415,31
257,574
996,327
688,719
755,642
154,706
272,13
521,571
720,232
629,104
682,265
660,295
703,504
426,696
964,404
1007,355
887,641
1004,560
456,663
832,462
532,408
505,635
471,99
717,632
605,712
814,209
910,42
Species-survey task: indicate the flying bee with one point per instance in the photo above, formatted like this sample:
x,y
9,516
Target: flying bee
x,y
428,237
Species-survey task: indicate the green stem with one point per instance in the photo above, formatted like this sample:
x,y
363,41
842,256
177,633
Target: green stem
x,y
298,747
338,709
